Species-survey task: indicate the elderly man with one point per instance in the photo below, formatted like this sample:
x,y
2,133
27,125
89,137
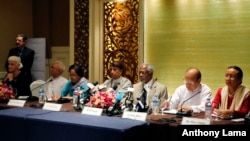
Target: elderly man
x,y
192,95
147,88
57,81
117,81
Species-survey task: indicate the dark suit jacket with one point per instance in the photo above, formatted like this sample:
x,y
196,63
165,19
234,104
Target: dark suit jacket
x,y
27,58
20,84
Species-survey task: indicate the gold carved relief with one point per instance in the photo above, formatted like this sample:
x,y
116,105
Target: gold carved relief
x,y
121,36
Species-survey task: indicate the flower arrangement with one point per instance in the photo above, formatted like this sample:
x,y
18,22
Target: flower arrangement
x,y
108,100
6,93
102,99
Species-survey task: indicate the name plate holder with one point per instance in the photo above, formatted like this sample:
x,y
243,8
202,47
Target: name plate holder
x,y
135,115
15,102
194,121
52,106
92,111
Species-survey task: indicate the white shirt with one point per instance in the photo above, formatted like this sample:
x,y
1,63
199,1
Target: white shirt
x,y
195,99
55,86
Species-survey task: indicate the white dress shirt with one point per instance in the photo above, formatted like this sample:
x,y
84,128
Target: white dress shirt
x,y
55,86
195,99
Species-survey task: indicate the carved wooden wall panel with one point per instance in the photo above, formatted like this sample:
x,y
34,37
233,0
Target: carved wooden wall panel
x,y
121,36
82,35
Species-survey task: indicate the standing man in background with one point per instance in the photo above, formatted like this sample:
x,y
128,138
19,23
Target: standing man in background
x,y
26,54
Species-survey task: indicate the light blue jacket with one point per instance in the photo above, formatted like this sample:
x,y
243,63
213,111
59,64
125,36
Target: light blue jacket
x,y
69,88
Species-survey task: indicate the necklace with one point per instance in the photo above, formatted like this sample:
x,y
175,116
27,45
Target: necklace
x,y
231,94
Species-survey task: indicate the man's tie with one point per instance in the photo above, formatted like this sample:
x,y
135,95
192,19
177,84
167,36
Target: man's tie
x,y
19,52
144,97
141,105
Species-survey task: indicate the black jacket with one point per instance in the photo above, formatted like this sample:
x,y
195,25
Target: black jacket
x,y
27,58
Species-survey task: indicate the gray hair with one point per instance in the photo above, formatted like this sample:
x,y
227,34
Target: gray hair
x,y
17,60
61,65
150,68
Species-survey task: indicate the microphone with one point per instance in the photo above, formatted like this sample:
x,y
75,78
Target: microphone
x,y
129,99
114,109
35,98
182,113
91,87
116,86
247,117
42,84
89,91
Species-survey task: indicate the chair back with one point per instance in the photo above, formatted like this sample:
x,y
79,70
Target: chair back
x,y
34,87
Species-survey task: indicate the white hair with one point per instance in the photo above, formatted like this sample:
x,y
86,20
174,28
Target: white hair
x,y
17,60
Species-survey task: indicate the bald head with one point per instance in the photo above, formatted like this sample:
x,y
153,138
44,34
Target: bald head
x,y
192,78
193,73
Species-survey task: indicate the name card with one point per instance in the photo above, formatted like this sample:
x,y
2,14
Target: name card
x,y
52,106
18,103
194,121
92,111
134,115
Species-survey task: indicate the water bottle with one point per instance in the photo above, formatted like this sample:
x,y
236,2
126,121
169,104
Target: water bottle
x,y
208,108
41,95
76,94
155,104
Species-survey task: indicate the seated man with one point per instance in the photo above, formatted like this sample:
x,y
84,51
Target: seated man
x,y
190,96
57,81
147,88
16,78
117,81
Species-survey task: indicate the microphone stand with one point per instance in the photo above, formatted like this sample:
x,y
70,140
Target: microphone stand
x,y
247,118
78,106
42,85
35,98
182,113
89,92
111,110
129,102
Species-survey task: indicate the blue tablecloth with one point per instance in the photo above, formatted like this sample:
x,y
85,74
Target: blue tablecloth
x,y
42,125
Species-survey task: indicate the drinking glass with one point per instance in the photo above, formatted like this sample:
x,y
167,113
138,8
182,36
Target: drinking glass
x,y
215,112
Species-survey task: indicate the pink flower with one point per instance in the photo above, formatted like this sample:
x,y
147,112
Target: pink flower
x,y
6,92
102,99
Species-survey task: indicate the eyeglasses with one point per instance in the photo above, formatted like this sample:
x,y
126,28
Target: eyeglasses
x,y
189,82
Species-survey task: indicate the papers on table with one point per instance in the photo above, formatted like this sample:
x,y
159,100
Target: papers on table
x,y
220,117
23,97
172,111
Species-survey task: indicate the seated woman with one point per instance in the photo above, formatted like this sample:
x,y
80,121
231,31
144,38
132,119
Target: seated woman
x,y
76,80
17,79
232,100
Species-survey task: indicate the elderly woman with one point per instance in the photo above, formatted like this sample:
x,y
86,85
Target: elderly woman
x,y
17,79
232,100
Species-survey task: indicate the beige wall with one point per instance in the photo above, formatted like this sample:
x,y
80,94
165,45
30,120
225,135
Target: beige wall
x,y
210,35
